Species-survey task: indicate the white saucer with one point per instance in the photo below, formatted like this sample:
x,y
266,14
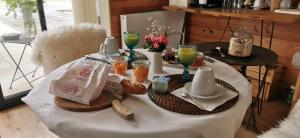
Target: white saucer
x,y
220,91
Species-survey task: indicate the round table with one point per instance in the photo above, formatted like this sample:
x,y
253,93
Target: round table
x,y
259,56
150,120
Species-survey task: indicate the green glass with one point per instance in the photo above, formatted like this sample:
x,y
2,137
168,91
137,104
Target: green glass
x,y
131,40
186,55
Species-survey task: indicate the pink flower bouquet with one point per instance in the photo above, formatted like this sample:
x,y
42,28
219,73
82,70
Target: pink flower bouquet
x,y
156,43
157,39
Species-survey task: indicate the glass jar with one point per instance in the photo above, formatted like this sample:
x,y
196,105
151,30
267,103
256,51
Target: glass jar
x,y
119,65
285,4
169,54
140,70
241,44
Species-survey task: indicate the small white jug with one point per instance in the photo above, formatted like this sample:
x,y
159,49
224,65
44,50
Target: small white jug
x,y
109,46
204,82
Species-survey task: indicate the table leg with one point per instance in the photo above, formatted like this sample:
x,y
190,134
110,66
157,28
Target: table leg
x,y
227,24
261,90
271,37
255,100
33,74
1,94
34,71
261,32
244,71
184,28
16,64
263,82
252,119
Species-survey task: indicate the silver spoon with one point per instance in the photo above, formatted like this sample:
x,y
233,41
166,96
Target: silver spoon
x,y
187,96
184,95
219,49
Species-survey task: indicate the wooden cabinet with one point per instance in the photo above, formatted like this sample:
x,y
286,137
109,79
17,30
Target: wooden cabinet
x,y
240,13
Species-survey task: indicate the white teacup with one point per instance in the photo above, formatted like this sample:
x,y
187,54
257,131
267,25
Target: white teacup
x,y
204,82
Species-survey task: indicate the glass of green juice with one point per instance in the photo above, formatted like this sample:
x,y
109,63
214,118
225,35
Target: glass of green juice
x,y
186,55
131,39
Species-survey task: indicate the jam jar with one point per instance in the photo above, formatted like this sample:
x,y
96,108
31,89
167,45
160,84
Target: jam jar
x,y
169,54
241,44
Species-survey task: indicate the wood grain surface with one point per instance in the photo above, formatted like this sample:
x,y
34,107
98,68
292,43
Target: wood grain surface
x,y
21,122
240,13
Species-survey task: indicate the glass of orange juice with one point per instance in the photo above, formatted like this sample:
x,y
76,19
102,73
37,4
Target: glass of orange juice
x,y
140,70
120,65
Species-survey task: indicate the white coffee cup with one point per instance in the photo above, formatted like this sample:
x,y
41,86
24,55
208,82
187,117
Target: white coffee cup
x,y
204,82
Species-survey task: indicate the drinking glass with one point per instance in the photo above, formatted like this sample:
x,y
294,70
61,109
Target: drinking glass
x,y
131,39
140,70
186,56
119,65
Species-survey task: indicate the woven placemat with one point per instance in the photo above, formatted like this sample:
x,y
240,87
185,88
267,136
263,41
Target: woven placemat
x,y
138,56
175,104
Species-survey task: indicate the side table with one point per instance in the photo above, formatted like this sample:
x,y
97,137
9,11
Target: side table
x,y
26,41
260,57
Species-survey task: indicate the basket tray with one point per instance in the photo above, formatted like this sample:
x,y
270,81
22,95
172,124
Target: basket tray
x,y
175,104
138,56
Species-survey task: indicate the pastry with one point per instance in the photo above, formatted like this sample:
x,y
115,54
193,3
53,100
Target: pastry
x,y
131,87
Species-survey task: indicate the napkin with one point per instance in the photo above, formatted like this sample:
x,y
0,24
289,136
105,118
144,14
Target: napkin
x,y
207,104
81,82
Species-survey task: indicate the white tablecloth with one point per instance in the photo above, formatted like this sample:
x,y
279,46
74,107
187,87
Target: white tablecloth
x,y
150,121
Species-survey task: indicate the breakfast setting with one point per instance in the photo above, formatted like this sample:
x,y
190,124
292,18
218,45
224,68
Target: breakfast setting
x,y
104,79
149,68
151,91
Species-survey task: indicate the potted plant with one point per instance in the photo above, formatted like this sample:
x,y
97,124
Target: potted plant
x,y
27,8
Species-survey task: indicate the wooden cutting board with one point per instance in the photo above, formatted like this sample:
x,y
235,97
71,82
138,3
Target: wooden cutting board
x,y
102,102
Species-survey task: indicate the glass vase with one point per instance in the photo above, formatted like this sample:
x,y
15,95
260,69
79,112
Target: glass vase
x,y
29,23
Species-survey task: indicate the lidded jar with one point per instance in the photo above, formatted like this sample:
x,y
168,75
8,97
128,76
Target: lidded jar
x,y
241,43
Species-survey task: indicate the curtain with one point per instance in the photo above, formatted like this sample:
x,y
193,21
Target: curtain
x,y
84,11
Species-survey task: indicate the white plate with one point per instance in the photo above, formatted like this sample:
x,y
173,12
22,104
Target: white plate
x,y
220,91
